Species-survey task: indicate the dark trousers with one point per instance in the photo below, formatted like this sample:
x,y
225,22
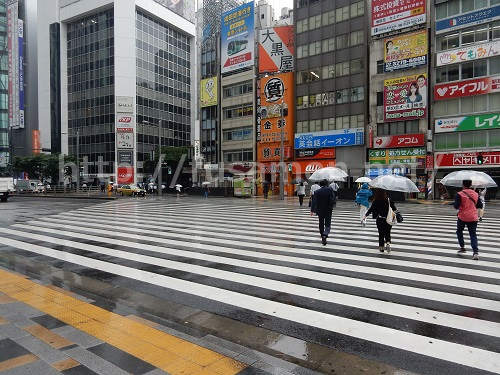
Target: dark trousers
x,y
266,192
325,222
384,231
301,199
471,227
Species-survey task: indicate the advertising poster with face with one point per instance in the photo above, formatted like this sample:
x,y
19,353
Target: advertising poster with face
x,y
405,98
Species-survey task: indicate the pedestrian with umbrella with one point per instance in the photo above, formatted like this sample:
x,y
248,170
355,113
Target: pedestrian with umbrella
x,y
362,200
178,189
322,205
206,188
301,190
265,188
466,203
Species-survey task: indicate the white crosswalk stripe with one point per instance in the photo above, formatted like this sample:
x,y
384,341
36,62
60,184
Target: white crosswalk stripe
x,y
420,301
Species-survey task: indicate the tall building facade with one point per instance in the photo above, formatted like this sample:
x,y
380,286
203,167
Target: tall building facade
x,y
331,85
18,82
116,82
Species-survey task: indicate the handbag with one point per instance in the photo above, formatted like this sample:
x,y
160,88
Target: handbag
x,y
399,217
391,215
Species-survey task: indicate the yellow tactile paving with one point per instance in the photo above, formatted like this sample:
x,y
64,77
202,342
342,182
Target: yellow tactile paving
x,y
65,365
131,334
48,337
61,290
3,321
18,361
138,319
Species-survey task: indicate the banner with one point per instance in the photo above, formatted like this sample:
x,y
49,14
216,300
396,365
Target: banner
x,y
21,72
35,142
405,98
406,140
13,62
315,153
466,159
276,49
466,123
478,86
405,51
272,90
390,15
470,53
398,156
208,92
330,138
237,38
468,19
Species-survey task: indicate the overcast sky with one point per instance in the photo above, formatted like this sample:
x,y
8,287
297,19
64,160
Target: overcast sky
x,y
278,4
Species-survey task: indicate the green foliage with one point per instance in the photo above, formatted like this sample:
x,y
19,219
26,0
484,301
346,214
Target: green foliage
x,y
42,166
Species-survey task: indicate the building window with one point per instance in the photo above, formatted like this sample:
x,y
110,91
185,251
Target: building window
x,y
454,7
398,127
479,68
342,41
303,51
235,156
466,105
357,9
309,75
357,37
342,14
342,96
240,134
328,18
315,48
328,45
237,111
237,90
342,68
357,94
357,66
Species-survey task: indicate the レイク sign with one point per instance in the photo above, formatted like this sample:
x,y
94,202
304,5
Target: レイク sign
x,y
406,140
470,87
457,124
390,15
470,53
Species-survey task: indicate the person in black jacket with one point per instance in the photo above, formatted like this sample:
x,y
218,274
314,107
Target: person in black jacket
x,y
379,210
322,205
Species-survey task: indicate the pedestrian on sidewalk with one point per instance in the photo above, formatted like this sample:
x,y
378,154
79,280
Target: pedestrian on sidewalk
x,y
335,188
265,189
362,201
466,203
314,187
322,205
379,210
301,192
207,190
482,195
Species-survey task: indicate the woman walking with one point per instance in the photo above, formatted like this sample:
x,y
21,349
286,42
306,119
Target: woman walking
x,y
482,195
362,200
379,210
301,192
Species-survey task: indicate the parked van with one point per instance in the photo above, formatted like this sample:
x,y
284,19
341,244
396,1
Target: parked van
x,y
26,186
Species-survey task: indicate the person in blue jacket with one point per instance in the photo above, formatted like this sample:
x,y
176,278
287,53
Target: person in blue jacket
x,y
362,201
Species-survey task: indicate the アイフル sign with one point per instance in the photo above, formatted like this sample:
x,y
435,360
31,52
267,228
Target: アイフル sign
x,y
478,86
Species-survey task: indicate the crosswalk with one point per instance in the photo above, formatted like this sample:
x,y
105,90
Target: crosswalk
x,y
421,308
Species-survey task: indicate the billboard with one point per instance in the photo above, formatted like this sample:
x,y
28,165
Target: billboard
x,y
470,87
398,156
466,159
470,53
276,49
13,62
237,38
404,140
208,92
21,72
330,138
272,89
405,51
390,15
405,98
468,19
467,123
315,153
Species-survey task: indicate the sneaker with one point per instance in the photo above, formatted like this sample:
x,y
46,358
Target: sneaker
x,y
363,223
323,240
461,251
381,249
388,247
475,256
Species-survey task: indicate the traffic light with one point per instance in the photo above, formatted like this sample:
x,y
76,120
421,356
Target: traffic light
x,y
479,159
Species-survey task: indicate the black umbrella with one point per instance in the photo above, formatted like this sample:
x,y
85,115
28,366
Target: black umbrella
x,y
298,180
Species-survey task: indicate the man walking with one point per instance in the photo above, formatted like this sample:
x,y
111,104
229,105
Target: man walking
x,y
467,202
322,205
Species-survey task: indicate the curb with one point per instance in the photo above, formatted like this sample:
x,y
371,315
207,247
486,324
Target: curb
x,y
61,196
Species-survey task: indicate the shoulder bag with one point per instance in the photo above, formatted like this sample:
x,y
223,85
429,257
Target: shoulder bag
x,y
391,215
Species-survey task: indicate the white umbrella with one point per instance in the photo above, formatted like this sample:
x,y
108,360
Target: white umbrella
x,y
479,179
178,185
363,179
329,173
205,183
394,182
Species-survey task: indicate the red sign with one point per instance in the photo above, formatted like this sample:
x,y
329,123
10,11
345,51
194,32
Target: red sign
x,y
467,88
404,140
315,153
467,159
429,162
370,138
35,141
125,175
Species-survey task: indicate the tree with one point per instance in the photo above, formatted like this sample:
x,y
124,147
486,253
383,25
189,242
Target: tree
x,y
43,166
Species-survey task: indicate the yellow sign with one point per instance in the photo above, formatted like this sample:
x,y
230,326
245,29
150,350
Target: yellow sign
x,y
208,92
405,51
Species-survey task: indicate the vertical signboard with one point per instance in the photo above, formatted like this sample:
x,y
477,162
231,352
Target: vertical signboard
x,y
208,92
35,142
125,141
272,90
390,15
21,73
405,98
276,49
237,39
13,61
405,51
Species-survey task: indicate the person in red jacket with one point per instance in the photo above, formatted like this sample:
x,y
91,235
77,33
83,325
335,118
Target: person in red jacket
x,y
467,202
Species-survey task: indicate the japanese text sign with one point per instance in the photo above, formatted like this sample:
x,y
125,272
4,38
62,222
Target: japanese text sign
x,y
405,140
405,51
276,49
405,98
391,15
469,87
468,19
237,38
466,159
398,156
457,124
331,138
469,53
